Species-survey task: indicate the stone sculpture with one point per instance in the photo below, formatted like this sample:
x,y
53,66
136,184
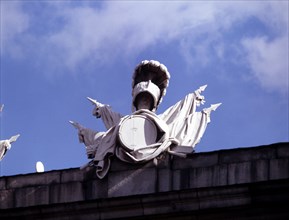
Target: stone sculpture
x,y
5,145
144,135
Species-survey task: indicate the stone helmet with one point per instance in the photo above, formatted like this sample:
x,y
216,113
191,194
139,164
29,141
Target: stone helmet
x,y
151,77
149,87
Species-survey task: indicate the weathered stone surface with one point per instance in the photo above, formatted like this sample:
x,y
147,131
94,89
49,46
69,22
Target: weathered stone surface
x,y
220,175
279,168
66,192
188,201
262,200
202,171
164,180
176,176
132,182
259,170
3,183
164,204
34,179
72,175
283,150
163,162
181,179
239,173
222,197
94,189
77,174
196,160
118,165
246,154
208,176
201,177
120,208
30,196
6,199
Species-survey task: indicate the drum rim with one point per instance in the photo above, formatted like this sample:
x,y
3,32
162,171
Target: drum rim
x,y
128,118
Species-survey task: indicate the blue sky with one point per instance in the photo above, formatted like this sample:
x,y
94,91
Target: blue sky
x,y
56,53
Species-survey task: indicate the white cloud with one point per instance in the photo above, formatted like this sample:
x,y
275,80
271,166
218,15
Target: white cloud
x,y
119,29
13,22
122,30
269,61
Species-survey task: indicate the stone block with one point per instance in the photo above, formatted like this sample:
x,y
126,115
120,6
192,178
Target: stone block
x,y
132,182
201,177
245,172
164,180
34,179
87,216
6,199
196,160
188,200
188,194
66,192
239,173
70,175
279,168
283,150
95,189
176,176
31,196
220,175
223,197
165,203
181,179
259,170
208,176
122,208
246,154
2,183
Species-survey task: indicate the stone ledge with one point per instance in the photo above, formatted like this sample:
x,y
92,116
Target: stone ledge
x,y
258,200
200,170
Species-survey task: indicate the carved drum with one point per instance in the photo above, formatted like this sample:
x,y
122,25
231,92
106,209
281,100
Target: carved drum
x,y
136,132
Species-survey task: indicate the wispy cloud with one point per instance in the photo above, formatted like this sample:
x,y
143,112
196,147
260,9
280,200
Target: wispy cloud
x,y
120,30
14,22
268,61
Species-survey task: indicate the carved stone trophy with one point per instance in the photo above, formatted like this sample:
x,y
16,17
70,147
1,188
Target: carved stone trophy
x,y
144,135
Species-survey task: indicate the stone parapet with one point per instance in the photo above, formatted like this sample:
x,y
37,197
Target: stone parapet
x,y
223,168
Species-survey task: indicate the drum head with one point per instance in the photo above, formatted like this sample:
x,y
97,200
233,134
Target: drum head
x,y
137,131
